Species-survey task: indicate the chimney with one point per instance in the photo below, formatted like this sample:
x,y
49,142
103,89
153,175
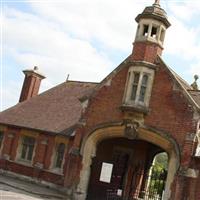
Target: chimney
x,y
31,84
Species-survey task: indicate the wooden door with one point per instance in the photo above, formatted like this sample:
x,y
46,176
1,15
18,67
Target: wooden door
x,y
100,189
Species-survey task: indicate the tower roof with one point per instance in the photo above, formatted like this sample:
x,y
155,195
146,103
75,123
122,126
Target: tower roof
x,y
155,12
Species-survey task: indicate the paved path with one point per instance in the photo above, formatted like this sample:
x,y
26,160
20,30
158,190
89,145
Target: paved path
x,y
14,189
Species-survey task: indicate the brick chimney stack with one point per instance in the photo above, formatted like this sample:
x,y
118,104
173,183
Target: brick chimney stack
x,y
31,84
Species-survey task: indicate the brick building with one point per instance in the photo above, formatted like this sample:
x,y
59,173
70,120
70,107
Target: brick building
x,y
99,140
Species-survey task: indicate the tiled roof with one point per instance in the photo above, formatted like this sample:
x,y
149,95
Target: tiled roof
x,y
55,110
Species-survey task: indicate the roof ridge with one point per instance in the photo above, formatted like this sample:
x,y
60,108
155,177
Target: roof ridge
x,y
76,81
179,77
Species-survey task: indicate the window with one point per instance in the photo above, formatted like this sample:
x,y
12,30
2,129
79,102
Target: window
x,y
59,155
1,138
145,30
135,85
162,35
153,31
28,144
139,86
143,88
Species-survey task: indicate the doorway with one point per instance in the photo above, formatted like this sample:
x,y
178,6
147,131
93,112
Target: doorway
x,y
121,170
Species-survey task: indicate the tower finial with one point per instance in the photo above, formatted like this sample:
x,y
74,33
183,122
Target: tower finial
x,y
157,3
195,85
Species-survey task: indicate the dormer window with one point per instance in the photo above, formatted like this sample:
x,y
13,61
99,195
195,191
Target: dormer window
x,y
139,85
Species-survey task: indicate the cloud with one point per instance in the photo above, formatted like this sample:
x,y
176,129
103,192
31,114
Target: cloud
x,y
185,10
182,40
108,22
32,41
10,94
195,69
85,38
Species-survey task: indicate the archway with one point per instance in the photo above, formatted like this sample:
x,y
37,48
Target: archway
x,y
161,140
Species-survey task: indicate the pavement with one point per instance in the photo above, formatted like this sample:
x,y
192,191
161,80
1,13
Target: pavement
x,y
16,189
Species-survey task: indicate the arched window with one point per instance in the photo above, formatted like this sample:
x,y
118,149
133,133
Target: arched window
x,y
59,155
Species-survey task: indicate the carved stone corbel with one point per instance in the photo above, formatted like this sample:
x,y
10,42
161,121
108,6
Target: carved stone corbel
x,y
131,129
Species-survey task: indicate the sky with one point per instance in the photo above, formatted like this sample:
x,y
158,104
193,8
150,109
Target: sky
x,y
86,39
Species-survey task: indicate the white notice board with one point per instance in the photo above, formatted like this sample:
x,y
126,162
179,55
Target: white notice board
x,y
106,172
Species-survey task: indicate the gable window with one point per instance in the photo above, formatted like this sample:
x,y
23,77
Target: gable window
x,y
143,87
139,85
135,85
27,148
1,138
59,155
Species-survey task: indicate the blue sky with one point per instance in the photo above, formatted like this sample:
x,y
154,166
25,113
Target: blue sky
x,y
87,39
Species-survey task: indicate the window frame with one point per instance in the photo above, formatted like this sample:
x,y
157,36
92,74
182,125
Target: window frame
x,y
57,154
128,91
1,140
54,168
159,37
25,160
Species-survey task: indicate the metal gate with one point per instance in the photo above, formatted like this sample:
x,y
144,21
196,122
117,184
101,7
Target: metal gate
x,y
147,185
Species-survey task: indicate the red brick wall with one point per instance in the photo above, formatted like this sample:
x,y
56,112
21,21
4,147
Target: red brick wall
x,y
105,105
30,87
11,138
144,51
42,155
169,111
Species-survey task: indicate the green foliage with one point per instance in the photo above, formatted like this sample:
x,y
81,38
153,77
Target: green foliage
x,y
158,175
161,161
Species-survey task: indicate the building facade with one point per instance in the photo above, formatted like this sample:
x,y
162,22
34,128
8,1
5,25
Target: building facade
x,y
99,141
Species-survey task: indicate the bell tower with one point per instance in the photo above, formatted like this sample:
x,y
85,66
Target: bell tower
x,y
150,35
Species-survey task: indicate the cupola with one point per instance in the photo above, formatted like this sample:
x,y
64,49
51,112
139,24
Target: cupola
x,y
150,35
148,44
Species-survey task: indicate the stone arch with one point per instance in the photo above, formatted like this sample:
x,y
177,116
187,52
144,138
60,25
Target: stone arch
x,y
89,145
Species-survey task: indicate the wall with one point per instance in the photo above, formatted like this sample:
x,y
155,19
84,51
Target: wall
x,y
169,113
41,166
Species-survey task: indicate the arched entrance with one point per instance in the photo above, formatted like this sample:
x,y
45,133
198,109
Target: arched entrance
x,y
114,135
